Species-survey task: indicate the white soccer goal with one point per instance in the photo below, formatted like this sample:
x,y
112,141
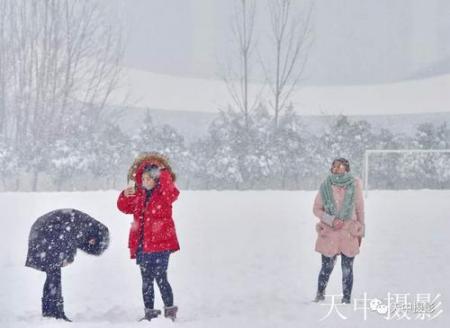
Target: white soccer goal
x,y
399,151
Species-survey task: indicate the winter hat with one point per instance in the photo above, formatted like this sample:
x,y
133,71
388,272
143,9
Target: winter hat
x,y
153,171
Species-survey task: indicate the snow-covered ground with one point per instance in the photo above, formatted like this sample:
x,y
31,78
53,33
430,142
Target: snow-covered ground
x,y
247,260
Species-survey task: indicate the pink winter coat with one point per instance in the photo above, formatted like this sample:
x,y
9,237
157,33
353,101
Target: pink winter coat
x,y
345,240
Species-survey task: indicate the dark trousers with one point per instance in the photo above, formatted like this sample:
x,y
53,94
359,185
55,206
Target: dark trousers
x,y
347,274
52,301
52,285
154,268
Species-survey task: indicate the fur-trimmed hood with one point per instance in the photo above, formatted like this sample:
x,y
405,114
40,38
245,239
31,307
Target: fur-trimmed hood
x,y
149,158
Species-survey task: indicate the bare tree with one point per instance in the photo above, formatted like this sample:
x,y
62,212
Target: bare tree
x,y
3,69
291,38
59,63
238,71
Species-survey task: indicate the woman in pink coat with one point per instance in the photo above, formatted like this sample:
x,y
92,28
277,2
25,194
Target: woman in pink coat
x,y
339,205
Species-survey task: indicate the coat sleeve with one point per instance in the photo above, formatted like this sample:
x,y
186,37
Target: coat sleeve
x,y
168,189
125,204
320,213
359,205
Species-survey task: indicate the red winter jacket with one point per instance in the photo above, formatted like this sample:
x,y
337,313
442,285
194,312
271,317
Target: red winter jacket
x,y
159,228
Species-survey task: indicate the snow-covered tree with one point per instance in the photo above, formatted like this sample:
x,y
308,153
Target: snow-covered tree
x,y
428,169
165,140
9,163
109,153
59,60
347,139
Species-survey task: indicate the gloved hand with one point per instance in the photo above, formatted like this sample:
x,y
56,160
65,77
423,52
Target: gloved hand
x,y
338,223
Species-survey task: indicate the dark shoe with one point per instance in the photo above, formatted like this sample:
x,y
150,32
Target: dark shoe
x,y
170,312
60,311
319,297
63,316
54,308
151,314
346,300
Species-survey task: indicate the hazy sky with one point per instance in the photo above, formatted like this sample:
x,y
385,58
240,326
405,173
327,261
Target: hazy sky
x,y
355,41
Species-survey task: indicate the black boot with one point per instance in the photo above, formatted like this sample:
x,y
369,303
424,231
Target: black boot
x,y
53,308
60,311
170,312
346,299
319,297
151,314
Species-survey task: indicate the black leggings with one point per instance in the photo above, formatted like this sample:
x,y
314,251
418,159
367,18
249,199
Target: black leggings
x,y
52,285
347,273
154,267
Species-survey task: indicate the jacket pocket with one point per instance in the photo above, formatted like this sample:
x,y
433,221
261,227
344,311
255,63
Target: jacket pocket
x,y
322,229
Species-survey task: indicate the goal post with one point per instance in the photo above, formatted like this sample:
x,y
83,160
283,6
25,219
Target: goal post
x,y
368,152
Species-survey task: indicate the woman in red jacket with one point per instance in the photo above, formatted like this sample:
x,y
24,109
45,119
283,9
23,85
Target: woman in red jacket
x,y
152,235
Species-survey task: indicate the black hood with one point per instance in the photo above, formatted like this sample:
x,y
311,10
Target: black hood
x,y
94,231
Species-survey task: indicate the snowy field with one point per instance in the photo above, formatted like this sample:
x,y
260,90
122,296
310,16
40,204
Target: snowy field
x,y
247,260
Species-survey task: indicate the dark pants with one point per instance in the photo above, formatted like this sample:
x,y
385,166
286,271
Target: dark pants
x,y
52,286
154,268
52,301
347,274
